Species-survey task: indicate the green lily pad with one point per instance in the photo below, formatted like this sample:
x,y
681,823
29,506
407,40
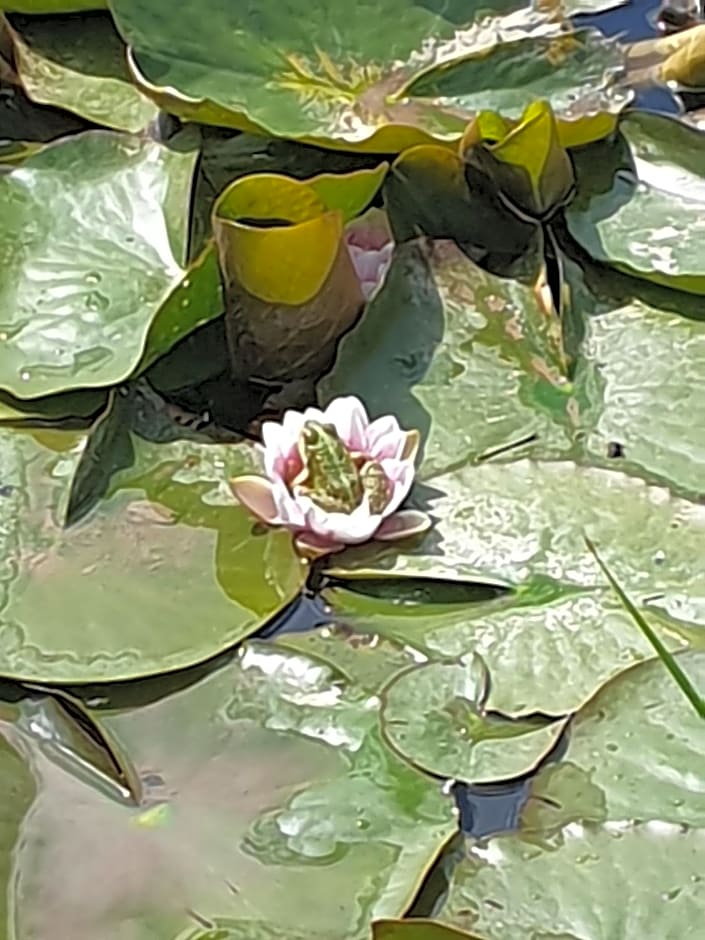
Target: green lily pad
x,y
639,412
587,884
514,520
649,221
641,744
80,407
434,716
547,657
93,236
79,64
268,801
461,354
338,81
164,573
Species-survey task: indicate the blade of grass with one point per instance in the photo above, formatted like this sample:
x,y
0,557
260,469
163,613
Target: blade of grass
x,y
667,658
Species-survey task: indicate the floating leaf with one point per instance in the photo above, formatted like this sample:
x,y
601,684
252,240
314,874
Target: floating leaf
x,y
669,661
639,743
686,65
268,801
633,407
93,235
434,716
165,573
649,220
340,83
591,883
107,449
79,64
457,352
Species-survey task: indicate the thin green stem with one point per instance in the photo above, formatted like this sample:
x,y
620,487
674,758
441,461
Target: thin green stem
x,y
667,658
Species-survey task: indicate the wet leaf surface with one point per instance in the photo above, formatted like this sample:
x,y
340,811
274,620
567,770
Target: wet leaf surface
x,y
649,221
94,233
268,798
589,883
412,79
165,572
78,63
639,742
463,355
434,716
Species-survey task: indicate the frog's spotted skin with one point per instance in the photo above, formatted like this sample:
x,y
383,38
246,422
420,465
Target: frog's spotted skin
x,y
332,477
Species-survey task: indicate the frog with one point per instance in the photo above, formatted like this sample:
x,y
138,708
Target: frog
x,y
333,477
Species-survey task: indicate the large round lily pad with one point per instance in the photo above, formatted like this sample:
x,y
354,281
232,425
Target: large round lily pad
x,y
165,572
267,800
93,236
327,75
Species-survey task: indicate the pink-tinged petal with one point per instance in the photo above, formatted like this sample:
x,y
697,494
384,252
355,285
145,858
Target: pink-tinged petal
x,y
313,546
384,438
279,443
402,525
256,494
288,507
349,528
349,416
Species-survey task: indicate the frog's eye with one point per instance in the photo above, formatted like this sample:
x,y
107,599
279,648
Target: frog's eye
x,y
330,429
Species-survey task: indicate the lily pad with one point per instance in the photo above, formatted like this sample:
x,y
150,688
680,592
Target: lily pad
x,y
649,222
164,573
461,354
639,412
586,884
338,81
547,657
93,236
640,743
513,520
79,64
268,801
434,716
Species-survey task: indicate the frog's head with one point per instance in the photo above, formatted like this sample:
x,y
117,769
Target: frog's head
x,y
316,435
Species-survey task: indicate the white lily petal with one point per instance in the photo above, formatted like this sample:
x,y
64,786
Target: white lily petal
x,y
289,508
401,476
349,416
350,528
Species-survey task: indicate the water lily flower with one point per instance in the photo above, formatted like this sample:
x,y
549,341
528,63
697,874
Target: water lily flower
x,y
303,480
370,246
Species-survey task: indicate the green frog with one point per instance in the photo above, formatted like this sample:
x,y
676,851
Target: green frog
x,y
334,478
